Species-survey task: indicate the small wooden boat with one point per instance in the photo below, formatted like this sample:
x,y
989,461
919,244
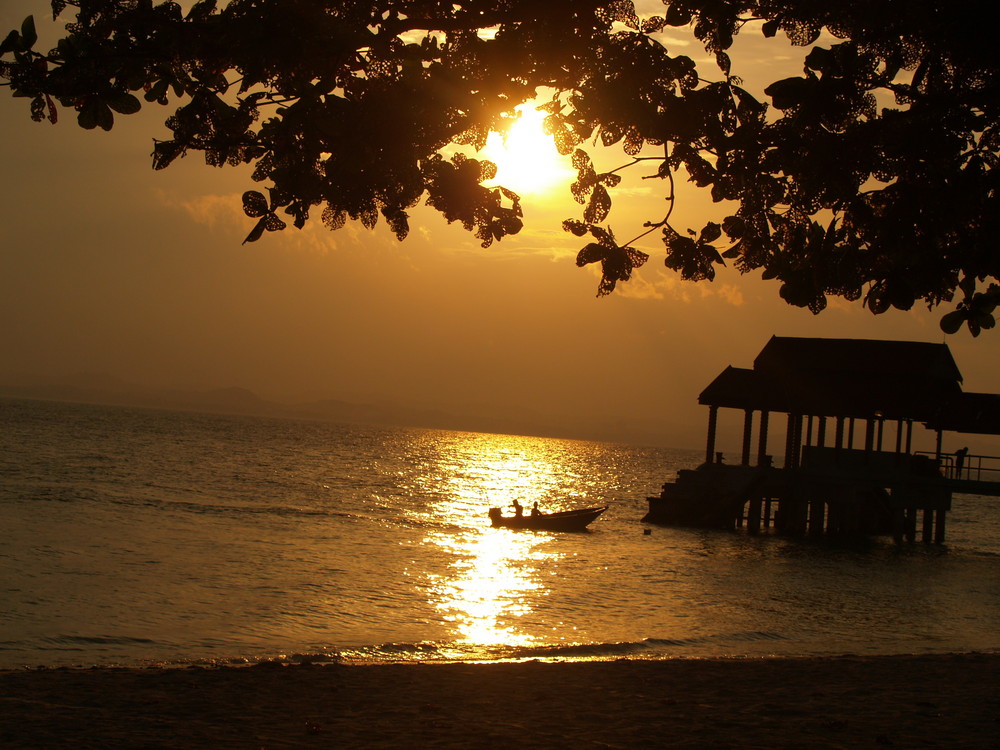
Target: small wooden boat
x,y
566,520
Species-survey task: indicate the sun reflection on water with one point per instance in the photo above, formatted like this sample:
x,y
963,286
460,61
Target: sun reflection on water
x,y
494,575
492,582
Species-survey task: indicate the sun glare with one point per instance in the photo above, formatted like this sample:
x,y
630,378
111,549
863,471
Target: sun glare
x,y
494,576
526,158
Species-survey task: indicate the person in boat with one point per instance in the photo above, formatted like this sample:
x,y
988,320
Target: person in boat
x,y
534,510
518,510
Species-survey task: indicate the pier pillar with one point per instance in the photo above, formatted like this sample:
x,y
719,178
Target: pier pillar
x,y
939,527
753,516
821,433
898,524
747,436
928,531
762,440
816,517
801,517
713,421
793,441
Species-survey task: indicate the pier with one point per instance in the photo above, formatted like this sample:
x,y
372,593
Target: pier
x,y
846,409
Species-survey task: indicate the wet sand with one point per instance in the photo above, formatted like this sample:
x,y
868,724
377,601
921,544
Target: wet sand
x,y
949,701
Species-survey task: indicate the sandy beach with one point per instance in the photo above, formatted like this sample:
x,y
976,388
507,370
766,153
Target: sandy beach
x,y
948,701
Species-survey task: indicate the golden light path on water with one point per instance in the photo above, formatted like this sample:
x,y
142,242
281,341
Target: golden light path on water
x,y
494,574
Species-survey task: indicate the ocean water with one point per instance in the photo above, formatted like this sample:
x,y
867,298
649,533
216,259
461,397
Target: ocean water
x,y
133,537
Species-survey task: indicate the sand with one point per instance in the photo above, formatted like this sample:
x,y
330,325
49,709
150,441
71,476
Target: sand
x,y
950,701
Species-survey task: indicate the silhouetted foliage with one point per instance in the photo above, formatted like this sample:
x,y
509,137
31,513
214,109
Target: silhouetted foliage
x,y
870,175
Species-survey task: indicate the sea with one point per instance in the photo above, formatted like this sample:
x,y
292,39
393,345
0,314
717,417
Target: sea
x,y
137,537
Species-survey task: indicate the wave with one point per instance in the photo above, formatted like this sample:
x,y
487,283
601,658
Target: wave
x,y
647,648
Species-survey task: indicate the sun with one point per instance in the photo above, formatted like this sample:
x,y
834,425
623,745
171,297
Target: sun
x,y
526,158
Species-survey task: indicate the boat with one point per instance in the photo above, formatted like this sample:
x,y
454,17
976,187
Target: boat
x,y
566,520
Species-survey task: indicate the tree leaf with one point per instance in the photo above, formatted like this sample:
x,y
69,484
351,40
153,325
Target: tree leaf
x,y
254,204
599,205
257,232
95,113
591,254
123,103
28,34
710,233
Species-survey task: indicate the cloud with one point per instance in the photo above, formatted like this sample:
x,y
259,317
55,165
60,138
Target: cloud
x,y
224,213
213,211
658,284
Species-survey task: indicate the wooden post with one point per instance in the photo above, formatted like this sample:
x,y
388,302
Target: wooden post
x,y
816,517
797,444
747,436
909,436
869,435
850,433
790,443
762,440
881,427
911,525
753,516
767,512
928,526
821,433
939,527
713,419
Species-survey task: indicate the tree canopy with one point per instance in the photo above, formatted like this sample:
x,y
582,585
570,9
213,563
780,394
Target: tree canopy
x,y
870,175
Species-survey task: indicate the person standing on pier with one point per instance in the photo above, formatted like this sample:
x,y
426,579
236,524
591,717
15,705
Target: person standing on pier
x,y
960,461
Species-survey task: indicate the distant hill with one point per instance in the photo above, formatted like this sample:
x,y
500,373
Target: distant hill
x,y
101,388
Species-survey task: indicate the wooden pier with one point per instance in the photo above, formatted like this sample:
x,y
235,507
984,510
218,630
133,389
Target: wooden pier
x,y
848,467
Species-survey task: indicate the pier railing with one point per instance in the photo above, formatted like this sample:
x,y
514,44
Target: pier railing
x,y
971,468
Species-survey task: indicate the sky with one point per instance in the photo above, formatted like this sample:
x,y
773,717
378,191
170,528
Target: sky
x,y
109,267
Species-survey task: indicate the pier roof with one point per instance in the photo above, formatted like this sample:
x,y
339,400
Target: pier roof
x,y
972,413
844,377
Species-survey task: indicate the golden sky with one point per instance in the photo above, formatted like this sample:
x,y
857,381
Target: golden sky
x,y
109,267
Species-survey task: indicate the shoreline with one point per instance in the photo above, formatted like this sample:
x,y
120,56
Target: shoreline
x,y
927,700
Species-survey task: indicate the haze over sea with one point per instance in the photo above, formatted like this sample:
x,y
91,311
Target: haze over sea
x,y
136,536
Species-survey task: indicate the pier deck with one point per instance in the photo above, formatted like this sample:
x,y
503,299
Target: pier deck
x,y
827,388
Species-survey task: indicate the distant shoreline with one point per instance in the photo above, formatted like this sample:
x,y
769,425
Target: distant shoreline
x,y
947,700
239,402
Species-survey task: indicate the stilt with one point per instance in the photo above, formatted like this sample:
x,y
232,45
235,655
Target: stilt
x,y
939,527
834,516
911,525
767,512
816,517
753,516
926,536
713,420
762,440
747,436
